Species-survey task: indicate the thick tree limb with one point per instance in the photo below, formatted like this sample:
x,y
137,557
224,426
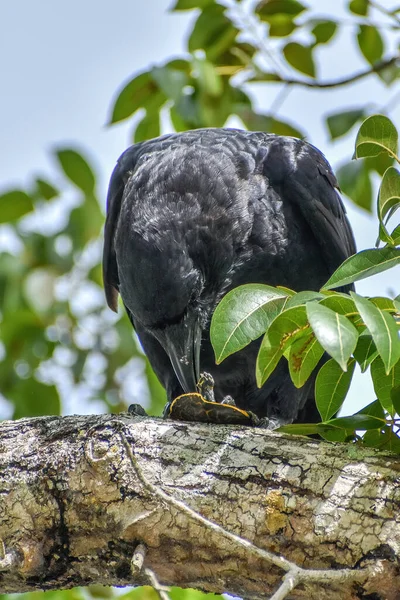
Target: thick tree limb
x,y
81,494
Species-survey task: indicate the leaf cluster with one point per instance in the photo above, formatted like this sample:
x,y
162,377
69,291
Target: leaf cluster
x,y
304,327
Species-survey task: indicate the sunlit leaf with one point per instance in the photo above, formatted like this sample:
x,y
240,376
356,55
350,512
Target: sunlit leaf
x,y
355,181
266,8
323,31
340,303
14,205
77,169
212,32
281,25
286,328
302,298
359,7
373,408
243,315
384,383
362,265
365,352
377,134
267,359
382,328
148,127
133,96
304,355
300,428
170,79
209,79
340,123
259,122
370,43
336,334
300,57
357,421
45,190
389,196
331,387
190,4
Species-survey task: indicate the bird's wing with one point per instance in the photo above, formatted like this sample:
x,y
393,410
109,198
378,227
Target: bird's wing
x,y
302,175
126,164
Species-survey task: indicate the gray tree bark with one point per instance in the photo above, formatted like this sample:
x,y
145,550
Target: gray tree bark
x,y
78,494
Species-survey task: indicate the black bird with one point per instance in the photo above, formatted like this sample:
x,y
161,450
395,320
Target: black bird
x,y
191,216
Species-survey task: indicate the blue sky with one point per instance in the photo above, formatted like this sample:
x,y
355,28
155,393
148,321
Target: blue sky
x,y
62,63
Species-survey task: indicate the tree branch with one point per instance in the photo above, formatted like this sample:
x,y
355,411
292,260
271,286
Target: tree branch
x,y
377,68
118,500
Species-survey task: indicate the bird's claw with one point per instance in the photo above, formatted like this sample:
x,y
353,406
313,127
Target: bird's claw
x,y
205,386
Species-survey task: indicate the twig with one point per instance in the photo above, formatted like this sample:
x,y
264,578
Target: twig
x,y
294,576
161,590
376,68
385,11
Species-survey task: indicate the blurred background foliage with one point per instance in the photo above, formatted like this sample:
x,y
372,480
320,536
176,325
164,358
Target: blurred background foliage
x,y
61,349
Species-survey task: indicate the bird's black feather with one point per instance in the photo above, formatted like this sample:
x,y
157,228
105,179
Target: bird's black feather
x,y
192,215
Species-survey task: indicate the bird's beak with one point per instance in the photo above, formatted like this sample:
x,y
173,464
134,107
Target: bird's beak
x,y
182,344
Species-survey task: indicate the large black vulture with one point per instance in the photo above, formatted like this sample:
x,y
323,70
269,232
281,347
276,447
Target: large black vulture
x,y
191,216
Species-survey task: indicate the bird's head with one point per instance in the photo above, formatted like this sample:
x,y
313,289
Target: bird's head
x,y
163,290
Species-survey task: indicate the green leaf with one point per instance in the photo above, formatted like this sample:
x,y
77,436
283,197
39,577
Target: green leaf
x,y
395,235
382,328
377,134
302,298
340,123
331,387
148,127
34,399
267,359
14,205
373,408
274,7
170,80
340,303
45,189
390,441
357,421
190,4
259,122
213,32
281,25
323,31
134,95
300,428
209,80
365,351
285,329
242,316
359,7
336,334
77,169
300,57
370,43
304,355
388,197
355,181
362,265
384,383
395,397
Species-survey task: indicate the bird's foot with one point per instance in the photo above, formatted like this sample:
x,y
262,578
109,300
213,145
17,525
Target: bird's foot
x,y
205,386
136,410
229,401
